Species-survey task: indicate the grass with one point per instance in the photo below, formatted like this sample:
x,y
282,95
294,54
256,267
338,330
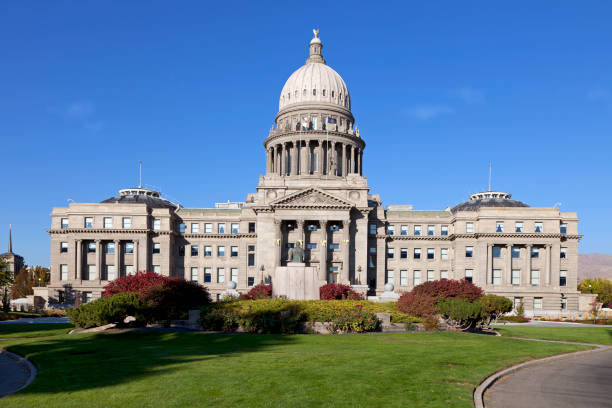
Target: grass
x,y
596,335
33,330
162,369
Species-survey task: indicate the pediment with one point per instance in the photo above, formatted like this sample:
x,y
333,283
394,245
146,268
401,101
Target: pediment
x,y
310,198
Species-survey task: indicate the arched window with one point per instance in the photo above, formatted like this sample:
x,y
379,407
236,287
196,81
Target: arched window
x,y
332,94
314,92
324,92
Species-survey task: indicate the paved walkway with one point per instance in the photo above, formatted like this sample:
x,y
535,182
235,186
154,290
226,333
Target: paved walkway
x,y
542,323
15,373
31,320
573,381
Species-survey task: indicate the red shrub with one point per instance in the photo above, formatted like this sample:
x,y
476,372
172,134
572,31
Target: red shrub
x,y
260,291
173,298
333,291
421,300
137,283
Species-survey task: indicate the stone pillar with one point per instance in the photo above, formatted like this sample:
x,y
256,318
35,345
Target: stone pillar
x,y
334,160
278,225
488,275
294,159
346,242
358,154
304,168
282,160
300,231
79,260
117,259
508,279
548,269
323,250
99,259
527,267
320,157
350,159
136,255
344,160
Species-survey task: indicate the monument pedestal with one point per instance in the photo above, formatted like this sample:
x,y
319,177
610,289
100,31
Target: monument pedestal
x,y
296,281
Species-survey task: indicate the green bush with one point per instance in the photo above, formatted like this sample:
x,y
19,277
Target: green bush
x,y
110,309
462,313
494,307
357,320
173,299
252,319
514,319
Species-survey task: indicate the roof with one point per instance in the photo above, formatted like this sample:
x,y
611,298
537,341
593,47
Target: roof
x,y
488,199
140,195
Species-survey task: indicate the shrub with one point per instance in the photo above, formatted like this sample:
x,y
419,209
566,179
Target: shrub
x,y
109,309
431,322
357,320
495,306
223,319
338,291
260,291
173,298
520,309
137,283
421,300
462,313
514,319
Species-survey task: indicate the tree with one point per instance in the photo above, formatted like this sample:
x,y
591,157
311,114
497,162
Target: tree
x,y
22,286
600,286
6,279
495,306
40,275
421,300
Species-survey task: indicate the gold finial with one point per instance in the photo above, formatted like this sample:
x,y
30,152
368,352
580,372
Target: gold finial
x,y
316,32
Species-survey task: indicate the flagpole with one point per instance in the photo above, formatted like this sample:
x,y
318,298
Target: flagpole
x,y
327,149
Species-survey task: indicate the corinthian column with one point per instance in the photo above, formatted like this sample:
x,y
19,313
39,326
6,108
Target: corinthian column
x,y
282,160
346,242
323,260
304,169
79,260
294,159
320,158
508,279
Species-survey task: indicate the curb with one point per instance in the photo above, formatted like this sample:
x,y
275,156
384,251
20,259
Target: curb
x,y
23,362
490,380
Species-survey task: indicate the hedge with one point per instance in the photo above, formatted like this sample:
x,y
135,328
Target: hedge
x,y
109,309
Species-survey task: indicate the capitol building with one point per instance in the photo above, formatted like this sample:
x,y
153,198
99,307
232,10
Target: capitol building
x,y
314,192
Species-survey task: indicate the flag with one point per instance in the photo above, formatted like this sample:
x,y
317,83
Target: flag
x,y
305,124
331,120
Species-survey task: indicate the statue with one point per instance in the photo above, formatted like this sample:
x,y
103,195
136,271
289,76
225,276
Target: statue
x,y
316,32
296,254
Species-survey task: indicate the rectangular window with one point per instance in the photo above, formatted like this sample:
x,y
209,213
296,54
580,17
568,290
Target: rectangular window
x,y
181,250
181,228
156,248
538,227
92,272
251,259
563,253
469,252
516,302
156,224
311,246
499,226
562,278
251,281
417,253
251,248
129,270
563,303
537,303
390,277
516,276
334,247
372,258
251,227
417,230
87,297
431,253
157,269
372,229
518,226
127,222
63,272
91,247
88,222
535,277
431,230
333,274
404,253
390,253
235,228
391,229
430,275
208,250
469,227
111,272
220,275
129,247
221,228
535,252
563,228
64,223
443,274
416,277
444,230
110,247
194,250
496,251
234,251
444,253
497,276
108,222
516,252
404,278
195,228
221,250
208,228
63,247
404,231
207,275
194,274
469,275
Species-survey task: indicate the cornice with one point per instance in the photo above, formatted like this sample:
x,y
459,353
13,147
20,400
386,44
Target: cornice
x,y
313,135
452,237
104,231
216,236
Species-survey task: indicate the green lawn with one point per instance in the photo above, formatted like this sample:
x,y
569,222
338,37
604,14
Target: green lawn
x,y
597,335
12,330
161,369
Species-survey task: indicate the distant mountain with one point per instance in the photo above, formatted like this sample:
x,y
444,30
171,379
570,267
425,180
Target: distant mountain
x,y
594,266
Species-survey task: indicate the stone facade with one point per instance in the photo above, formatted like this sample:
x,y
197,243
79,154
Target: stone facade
x,y
314,192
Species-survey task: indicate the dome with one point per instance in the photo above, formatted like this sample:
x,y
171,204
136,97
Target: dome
x,y
488,199
140,195
315,82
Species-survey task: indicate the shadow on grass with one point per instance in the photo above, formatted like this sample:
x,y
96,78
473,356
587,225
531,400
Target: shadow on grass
x,y
23,329
81,362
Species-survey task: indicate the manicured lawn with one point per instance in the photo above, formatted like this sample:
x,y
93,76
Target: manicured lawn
x,y
161,369
33,330
595,335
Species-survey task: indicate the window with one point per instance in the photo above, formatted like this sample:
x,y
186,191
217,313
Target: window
x,y
179,272
444,230
390,277
207,250
431,253
181,250
537,303
334,247
417,253
311,246
404,253
563,303
333,274
563,253
516,276
221,228
390,253
372,229
518,226
430,275
87,297
251,248
221,250
431,229
404,230
516,302
129,269
111,272
156,248
63,247
207,275
181,228
469,275
535,277
235,228
563,228
251,281
195,228
312,227
91,247
444,253
416,277
194,274
64,223
194,250
156,224
92,272
110,247
443,274
497,276
234,251
251,258
220,275
496,251
516,252
208,228
469,227
391,230
372,258
334,227
535,252
562,278
417,230
108,222
538,227
63,272
469,252
157,269
127,222
499,226
88,222
251,227
404,278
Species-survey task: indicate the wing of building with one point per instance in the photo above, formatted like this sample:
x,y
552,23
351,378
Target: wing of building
x,y
314,192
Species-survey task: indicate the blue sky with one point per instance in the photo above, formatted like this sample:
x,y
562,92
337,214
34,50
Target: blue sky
x,y
438,90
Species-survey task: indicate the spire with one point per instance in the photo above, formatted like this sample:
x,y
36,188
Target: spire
x,y
316,47
490,167
139,173
10,246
